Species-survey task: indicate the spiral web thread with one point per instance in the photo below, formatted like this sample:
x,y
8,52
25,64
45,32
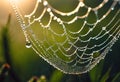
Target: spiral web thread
x,y
69,50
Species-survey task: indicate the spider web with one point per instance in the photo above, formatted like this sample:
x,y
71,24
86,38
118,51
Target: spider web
x,y
73,41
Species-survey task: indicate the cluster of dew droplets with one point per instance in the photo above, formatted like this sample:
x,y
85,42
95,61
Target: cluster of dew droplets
x,y
61,63
21,21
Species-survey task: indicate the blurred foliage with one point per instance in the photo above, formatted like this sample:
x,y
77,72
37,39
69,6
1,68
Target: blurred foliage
x,y
24,65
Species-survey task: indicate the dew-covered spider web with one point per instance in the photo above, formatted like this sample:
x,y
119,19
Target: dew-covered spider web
x,y
71,35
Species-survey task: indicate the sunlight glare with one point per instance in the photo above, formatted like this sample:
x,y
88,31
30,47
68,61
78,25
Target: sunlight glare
x,y
18,1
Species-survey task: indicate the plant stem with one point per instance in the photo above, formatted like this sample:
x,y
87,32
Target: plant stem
x,y
6,51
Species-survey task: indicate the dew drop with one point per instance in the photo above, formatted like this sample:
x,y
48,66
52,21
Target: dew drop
x,y
51,14
82,4
112,8
110,50
58,20
45,3
28,45
104,16
55,18
103,28
48,10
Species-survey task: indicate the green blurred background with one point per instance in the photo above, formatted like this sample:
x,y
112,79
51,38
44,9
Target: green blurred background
x,y
25,63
